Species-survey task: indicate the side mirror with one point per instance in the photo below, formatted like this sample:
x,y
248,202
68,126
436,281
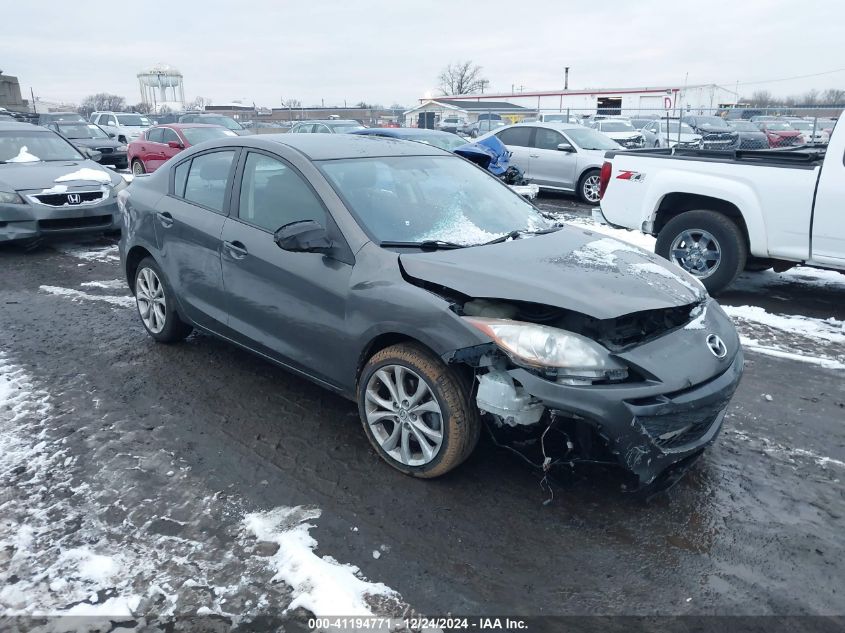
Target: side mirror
x,y
112,135
565,147
303,236
93,154
175,145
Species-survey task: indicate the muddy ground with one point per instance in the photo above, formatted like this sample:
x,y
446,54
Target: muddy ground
x,y
174,443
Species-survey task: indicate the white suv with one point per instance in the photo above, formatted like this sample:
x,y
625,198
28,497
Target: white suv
x,y
451,124
125,126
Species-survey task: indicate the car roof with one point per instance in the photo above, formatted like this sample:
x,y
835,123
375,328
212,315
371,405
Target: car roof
x,y
400,132
60,113
554,125
335,146
328,121
182,126
6,126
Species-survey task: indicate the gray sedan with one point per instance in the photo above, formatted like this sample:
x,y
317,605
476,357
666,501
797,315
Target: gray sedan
x,y
418,285
559,156
49,189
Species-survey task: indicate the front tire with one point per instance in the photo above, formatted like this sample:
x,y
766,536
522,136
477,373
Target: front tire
x,y
157,305
707,244
588,187
417,411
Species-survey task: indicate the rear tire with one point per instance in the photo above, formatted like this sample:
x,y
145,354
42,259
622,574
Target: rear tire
x,y
157,305
138,167
457,424
717,263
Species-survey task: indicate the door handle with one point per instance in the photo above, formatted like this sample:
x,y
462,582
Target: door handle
x,y
165,219
236,249
533,156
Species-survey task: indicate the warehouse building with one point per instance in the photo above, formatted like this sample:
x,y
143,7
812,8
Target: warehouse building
x,y
672,100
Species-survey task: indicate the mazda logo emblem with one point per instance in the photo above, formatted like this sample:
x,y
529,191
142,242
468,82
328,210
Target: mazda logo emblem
x,y
716,346
74,198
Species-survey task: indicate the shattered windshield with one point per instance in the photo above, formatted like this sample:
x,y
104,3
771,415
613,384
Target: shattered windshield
x,y
425,198
31,147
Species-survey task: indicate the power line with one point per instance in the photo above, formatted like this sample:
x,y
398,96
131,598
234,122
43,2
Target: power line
x,y
769,81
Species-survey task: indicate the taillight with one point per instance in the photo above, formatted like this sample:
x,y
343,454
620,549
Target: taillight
x,y
604,178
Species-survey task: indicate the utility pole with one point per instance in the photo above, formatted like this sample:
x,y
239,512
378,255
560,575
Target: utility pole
x,y
32,94
566,78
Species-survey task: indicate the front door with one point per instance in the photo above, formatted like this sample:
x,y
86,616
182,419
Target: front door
x,y
829,212
549,165
188,226
289,306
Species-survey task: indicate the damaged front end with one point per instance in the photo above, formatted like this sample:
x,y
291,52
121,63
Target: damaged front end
x,y
640,391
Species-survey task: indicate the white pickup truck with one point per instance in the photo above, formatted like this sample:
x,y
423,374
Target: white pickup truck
x,y
717,213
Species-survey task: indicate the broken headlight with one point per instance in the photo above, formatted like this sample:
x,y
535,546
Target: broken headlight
x,y
549,348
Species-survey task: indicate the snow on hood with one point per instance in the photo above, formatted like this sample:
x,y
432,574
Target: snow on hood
x,y
572,269
85,174
24,157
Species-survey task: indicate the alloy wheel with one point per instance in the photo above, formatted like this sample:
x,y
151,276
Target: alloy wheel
x,y
697,252
137,168
404,416
149,296
591,188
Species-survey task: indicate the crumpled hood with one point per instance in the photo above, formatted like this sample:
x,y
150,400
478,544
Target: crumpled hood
x,y
38,175
573,268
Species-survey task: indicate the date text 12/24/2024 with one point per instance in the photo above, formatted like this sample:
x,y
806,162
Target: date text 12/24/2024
x,y
377,623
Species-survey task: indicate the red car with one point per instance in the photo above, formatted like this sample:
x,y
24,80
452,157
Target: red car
x,y
780,134
162,142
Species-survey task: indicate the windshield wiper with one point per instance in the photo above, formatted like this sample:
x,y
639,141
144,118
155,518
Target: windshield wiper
x,y
431,245
515,234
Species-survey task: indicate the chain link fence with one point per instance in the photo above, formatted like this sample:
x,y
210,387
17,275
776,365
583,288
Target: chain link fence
x,y
718,129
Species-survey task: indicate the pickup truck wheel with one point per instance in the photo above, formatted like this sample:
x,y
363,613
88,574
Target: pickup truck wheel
x,y
707,244
588,187
416,411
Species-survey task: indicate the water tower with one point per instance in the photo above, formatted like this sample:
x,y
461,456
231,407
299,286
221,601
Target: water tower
x,y
162,86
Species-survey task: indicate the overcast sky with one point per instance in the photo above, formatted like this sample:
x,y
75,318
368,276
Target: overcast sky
x,y
391,51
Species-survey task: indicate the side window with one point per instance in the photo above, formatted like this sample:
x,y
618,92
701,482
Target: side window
x,y
305,128
207,178
322,129
169,135
519,136
154,135
180,176
547,139
274,194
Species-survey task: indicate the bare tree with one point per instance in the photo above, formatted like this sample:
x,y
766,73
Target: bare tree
x,y
291,103
761,98
101,101
142,108
198,103
833,96
461,78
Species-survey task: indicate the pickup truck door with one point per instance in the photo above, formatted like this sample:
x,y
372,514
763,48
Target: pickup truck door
x,y
828,243
518,141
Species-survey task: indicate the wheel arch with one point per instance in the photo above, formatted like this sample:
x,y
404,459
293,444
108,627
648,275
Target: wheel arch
x,y
674,204
133,258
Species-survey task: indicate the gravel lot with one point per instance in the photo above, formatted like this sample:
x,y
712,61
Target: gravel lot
x,y
142,479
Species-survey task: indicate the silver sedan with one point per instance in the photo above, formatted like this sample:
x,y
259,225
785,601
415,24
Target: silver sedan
x,y
558,156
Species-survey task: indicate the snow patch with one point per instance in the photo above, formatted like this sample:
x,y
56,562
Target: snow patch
x,y
788,453
111,284
755,346
125,302
24,157
105,254
828,330
86,173
323,586
459,229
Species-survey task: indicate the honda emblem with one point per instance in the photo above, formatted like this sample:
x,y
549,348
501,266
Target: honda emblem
x,y
74,198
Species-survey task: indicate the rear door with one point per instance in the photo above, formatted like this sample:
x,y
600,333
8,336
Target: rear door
x,y
518,141
289,306
188,227
549,165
